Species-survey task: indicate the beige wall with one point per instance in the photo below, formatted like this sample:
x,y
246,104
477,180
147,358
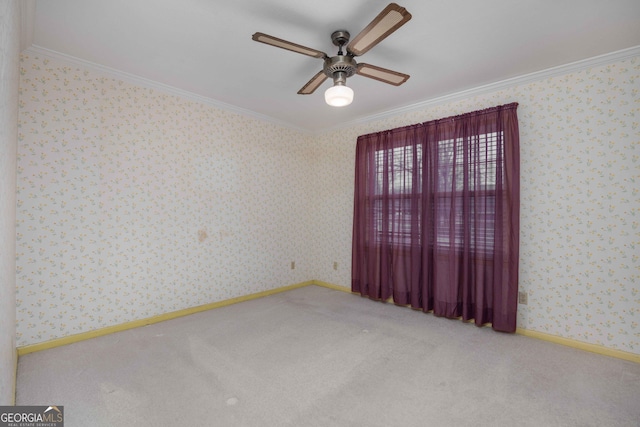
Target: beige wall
x,y
580,213
134,203
117,182
9,56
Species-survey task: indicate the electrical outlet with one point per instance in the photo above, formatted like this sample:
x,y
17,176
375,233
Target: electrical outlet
x,y
293,265
522,298
335,265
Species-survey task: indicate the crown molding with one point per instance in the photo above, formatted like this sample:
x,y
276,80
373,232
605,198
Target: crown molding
x,y
452,97
572,67
144,82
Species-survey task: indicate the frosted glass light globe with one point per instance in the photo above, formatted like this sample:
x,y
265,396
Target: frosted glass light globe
x,y
338,96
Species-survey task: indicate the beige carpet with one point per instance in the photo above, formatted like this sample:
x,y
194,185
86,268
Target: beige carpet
x,y
318,357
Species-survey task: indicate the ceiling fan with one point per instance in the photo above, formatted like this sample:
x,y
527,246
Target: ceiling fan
x,y
343,65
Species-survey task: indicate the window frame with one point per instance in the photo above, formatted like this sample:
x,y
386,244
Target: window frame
x,y
488,193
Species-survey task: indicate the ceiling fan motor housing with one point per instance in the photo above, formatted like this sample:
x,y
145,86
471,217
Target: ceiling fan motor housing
x,y
342,66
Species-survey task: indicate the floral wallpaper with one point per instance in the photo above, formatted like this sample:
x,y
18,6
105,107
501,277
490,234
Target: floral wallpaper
x,y
10,21
133,203
580,200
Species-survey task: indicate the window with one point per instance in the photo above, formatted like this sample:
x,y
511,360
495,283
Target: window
x,y
436,216
399,176
466,188
398,181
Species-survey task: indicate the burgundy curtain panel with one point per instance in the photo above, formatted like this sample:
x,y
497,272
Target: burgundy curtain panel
x,y
436,216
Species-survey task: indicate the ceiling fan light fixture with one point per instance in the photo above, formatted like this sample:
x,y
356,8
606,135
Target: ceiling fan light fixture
x,y
343,65
339,95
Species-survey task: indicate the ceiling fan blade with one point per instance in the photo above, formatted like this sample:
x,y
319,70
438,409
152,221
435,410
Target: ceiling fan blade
x,y
382,74
313,84
389,20
274,41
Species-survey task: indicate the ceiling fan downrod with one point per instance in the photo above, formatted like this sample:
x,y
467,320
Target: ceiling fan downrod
x,y
341,66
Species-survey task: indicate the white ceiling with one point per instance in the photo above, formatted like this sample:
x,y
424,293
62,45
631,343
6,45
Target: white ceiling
x,y
204,46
